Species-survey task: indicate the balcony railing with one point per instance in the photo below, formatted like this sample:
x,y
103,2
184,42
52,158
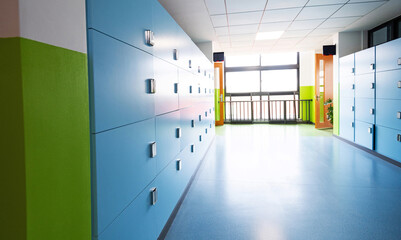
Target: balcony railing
x,y
268,111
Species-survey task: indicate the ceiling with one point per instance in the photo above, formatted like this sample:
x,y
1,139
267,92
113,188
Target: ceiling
x,y
232,25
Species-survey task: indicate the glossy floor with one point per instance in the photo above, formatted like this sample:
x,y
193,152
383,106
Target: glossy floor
x,y
289,182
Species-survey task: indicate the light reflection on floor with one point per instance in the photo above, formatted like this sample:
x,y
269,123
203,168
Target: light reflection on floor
x,y
289,182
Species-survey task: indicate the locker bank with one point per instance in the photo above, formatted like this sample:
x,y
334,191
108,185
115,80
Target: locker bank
x,y
200,119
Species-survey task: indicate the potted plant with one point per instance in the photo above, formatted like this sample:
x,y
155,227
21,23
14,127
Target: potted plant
x,y
329,103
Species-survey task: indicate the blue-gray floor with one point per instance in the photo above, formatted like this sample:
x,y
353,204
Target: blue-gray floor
x,y
289,182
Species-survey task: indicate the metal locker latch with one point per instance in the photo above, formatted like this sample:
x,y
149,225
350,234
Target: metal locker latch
x,y
199,69
399,61
372,85
206,130
190,89
399,137
150,41
193,123
205,90
206,114
199,90
192,148
372,111
190,64
200,138
153,151
399,84
175,53
353,86
200,118
370,130
353,70
352,108
152,86
210,110
352,124
175,87
179,165
372,66
178,132
399,115
153,196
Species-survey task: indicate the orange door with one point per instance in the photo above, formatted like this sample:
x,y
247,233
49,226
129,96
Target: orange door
x,y
323,90
219,93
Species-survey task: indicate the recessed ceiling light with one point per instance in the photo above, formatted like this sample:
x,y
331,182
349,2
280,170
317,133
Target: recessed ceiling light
x,y
269,35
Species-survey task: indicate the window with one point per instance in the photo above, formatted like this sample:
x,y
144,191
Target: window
x,y
243,82
280,80
386,32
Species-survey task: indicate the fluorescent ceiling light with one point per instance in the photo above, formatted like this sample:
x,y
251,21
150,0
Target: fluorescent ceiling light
x,y
269,35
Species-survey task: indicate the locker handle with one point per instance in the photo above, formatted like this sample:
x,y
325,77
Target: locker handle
x,y
190,64
352,108
205,130
353,86
206,114
399,137
190,89
178,132
352,124
175,87
399,61
153,196
199,70
372,85
192,148
398,115
399,84
150,41
175,53
200,138
200,118
192,123
153,150
179,165
370,130
152,86
372,66
372,111
352,70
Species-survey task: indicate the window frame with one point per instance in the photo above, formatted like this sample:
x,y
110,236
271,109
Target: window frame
x,y
392,30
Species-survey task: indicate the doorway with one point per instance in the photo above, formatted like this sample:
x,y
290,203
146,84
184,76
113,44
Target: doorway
x,y
323,91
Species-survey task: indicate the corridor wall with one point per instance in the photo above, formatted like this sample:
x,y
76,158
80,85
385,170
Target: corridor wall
x,y
152,115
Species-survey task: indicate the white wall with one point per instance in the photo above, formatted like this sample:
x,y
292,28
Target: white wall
x,y
307,68
60,23
207,49
9,18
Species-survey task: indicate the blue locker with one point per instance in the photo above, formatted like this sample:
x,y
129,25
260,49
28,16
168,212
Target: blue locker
x,y
388,55
347,120
165,34
365,110
124,166
168,135
188,125
125,20
365,86
388,113
364,134
388,142
347,66
186,89
185,60
365,61
166,81
119,83
138,220
388,84
347,87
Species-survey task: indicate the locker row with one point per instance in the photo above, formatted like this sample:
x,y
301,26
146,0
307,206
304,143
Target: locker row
x,y
130,157
124,79
146,25
370,98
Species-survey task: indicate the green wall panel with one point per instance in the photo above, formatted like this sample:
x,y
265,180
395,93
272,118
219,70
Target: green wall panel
x,y
12,164
336,110
308,92
57,145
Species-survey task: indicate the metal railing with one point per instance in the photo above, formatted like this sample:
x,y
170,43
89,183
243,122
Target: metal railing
x,y
268,111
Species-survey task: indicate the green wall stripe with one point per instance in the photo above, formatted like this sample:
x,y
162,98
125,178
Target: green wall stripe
x,y
57,146
12,165
336,111
308,92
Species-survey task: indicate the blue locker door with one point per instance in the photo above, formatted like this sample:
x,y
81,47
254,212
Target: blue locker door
x,y
347,118
347,66
138,220
188,125
165,33
119,80
125,20
388,55
347,87
388,84
388,142
186,89
185,50
365,86
388,113
365,109
166,80
364,134
168,135
365,61
124,166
